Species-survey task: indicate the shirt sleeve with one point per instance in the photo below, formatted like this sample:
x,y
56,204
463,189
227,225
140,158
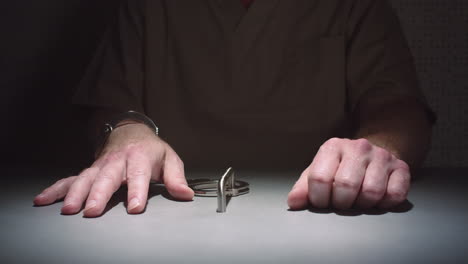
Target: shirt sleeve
x,y
379,61
114,79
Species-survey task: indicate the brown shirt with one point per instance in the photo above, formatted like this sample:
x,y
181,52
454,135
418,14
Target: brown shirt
x,y
259,87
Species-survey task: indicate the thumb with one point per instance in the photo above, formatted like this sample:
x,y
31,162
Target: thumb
x,y
298,197
174,177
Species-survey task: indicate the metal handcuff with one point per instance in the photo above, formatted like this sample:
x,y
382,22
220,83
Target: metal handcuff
x,y
226,186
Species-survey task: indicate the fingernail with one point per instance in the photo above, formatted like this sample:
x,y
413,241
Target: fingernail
x,y
134,203
90,205
186,188
296,204
67,204
37,199
40,196
67,208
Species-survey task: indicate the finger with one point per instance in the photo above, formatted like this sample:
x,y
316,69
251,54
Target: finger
x,y
397,188
100,162
174,177
298,196
375,181
79,190
321,174
348,180
138,179
106,183
55,192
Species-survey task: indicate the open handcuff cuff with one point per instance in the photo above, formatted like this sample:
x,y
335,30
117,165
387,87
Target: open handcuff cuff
x,y
224,188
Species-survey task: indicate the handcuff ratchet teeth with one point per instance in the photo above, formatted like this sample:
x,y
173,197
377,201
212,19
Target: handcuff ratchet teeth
x,y
226,186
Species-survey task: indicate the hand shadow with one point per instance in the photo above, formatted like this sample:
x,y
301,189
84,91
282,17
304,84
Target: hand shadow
x,y
120,196
404,207
164,193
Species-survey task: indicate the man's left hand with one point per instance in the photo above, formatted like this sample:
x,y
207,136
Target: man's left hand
x,y
348,172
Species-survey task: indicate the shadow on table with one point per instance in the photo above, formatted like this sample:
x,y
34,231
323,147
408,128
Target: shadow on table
x,y
404,207
120,196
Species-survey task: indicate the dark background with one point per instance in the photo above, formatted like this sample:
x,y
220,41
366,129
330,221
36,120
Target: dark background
x,y
46,45
45,48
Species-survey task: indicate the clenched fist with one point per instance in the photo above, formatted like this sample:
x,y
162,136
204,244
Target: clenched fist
x,y
349,172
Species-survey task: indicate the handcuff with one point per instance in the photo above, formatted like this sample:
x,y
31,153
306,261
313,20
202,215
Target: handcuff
x,y
227,186
132,116
224,188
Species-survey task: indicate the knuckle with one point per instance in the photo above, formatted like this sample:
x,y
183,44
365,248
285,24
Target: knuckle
x,y
48,189
382,155
136,173
106,176
332,143
320,179
113,156
320,176
305,173
398,195
83,177
98,195
348,183
72,178
399,164
60,182
406,178
373,192
181,163
88,172
362,145
99,192
404,181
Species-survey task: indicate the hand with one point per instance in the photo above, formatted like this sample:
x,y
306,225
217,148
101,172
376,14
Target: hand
x,y
133,155
351,172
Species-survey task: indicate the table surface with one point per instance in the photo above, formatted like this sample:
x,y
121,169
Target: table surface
x,y
257,228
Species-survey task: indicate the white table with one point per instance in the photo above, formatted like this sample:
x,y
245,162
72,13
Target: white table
x,y
257,227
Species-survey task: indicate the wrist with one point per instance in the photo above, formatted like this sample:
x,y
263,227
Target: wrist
x,y
385,142
128,119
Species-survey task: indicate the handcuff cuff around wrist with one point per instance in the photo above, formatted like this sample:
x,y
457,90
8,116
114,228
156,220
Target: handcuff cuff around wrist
x,y
227,186
118,121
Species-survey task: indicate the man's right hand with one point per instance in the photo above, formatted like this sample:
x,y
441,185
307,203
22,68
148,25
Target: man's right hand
x,y
133,155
